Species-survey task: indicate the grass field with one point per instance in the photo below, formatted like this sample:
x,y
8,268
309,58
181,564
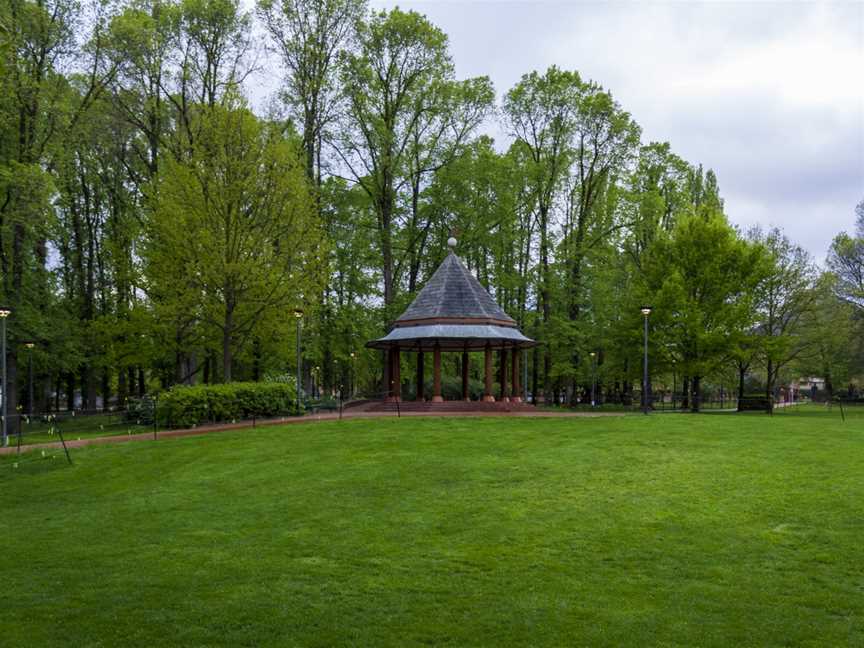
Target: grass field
x,y
38,429
710,530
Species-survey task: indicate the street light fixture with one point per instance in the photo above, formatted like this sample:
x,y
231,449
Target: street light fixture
x,y
4,313
298,314
646,311
352,386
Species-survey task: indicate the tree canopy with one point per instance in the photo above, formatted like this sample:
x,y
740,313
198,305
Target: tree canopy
x,y
155,229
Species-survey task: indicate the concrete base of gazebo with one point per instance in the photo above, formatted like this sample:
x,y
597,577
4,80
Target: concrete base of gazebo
x,y
450,407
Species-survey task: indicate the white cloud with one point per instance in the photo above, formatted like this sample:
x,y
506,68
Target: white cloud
x,y
769,95
778,114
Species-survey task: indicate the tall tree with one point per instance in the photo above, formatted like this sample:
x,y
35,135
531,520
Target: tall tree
x,y
604,142
783,299
216,49
309,36
832,331
399,87
143,43
846,261
541,113
234,234
659,195
701,279
39,109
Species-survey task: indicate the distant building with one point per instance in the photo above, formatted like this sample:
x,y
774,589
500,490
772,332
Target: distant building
x,y
807,386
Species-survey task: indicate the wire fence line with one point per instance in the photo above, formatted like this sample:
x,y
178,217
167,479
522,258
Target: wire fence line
x,y
53,432
75,425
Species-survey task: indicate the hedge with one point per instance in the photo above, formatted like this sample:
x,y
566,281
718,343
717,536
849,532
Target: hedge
x,y
755,403
185,406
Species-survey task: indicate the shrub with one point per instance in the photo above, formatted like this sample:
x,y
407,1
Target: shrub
x,y
139,411
283,378
185,406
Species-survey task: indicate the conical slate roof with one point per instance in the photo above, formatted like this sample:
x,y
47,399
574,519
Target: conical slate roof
x,y
453,292
453,312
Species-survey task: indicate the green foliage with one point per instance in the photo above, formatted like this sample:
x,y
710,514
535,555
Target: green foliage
x,y
701,278
236,222
405,116
185,406
155,230
783,298
141,411
832,338
311,36
846,261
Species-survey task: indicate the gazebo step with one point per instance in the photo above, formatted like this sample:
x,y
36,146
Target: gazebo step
x,y
450,406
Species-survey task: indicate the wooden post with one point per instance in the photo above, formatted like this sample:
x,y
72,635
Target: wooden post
x,y
397,375
516,397
436,376
465,395
420,375
487,393
502,370
388,371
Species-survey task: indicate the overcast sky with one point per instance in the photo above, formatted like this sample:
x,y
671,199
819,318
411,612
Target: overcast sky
x,y
768,94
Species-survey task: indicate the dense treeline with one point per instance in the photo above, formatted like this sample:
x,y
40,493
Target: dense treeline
x,y
155,230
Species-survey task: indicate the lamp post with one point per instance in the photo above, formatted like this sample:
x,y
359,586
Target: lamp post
x,y
646,311
353,387
4,313
593,355
30,346
298,314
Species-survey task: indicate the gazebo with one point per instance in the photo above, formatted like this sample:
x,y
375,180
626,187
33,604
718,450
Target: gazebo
x,y
454,313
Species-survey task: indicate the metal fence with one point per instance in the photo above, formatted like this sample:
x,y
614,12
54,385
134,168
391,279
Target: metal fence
x,y
61,427
56,430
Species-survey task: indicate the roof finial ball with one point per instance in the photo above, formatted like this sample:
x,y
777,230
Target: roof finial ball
x,y
451,242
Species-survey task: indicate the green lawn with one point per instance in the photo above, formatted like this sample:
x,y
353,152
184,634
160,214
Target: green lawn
x,y
710,530
41,430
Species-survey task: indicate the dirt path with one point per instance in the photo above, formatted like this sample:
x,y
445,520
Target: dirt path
x,y
312,418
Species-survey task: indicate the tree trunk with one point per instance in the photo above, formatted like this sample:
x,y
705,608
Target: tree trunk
x,y
256,359
70,391
91,388
85,387
105,388
697,393
122,388
685,393
386,215
535,357
227,331
12,392
545,297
